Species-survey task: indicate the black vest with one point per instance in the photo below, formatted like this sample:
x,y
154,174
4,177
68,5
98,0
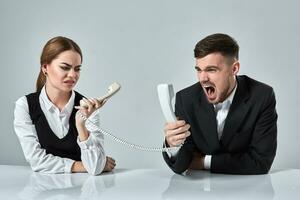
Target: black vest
x,y
66,147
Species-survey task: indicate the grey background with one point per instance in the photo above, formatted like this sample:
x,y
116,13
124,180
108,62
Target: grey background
x,y
140,44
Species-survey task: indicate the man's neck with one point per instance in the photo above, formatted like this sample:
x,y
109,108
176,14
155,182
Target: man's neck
x,y
232,88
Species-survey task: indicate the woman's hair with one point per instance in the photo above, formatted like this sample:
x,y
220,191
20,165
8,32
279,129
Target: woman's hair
x,y
51,50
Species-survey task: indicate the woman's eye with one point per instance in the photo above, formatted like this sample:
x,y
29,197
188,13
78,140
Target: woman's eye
x,y
64,68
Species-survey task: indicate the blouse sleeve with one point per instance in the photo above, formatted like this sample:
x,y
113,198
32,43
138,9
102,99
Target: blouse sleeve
x,y
92,152
37,157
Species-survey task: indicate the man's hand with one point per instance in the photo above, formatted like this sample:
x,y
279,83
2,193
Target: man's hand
x,y
109,165
198,161
176,132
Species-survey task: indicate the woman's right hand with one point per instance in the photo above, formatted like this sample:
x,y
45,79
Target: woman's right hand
x,y
78,167
109,165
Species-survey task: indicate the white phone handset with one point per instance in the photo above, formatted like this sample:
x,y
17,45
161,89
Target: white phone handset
x,y
165,95
112,89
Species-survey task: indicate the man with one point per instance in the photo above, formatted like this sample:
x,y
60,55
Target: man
x,y
227,123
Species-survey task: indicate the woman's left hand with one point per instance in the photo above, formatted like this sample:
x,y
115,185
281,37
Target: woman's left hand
x,y
91,105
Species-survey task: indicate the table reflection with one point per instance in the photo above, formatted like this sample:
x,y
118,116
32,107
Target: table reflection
x,y
66,186
196,184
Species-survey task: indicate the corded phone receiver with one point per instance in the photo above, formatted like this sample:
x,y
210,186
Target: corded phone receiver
x,y
165,95
112,89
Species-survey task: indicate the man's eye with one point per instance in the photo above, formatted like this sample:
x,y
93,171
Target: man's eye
x,y
197,69
211,70
77,69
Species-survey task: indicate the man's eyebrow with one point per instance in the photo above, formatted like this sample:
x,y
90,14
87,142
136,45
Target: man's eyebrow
x,y
207,67
211,66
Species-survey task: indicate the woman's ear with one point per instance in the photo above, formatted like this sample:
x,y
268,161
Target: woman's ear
x,y
44,69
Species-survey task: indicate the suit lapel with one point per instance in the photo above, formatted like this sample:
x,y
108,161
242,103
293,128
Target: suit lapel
x,y
206,117
237,112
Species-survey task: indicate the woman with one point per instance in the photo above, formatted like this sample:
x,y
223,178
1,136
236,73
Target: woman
x,y
53,136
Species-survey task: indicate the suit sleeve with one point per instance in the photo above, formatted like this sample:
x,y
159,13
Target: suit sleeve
x,y
259,156
182,160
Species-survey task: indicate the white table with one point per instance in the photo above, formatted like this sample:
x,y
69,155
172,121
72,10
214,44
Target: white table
x,y
19,182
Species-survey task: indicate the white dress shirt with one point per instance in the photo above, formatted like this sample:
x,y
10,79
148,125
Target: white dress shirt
x,y
221,110
92,152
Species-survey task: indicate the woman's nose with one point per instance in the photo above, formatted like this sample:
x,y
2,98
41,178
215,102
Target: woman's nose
x,y
72,73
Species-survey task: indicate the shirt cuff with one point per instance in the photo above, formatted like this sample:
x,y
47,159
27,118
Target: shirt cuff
x,y
103,164
84,144
68,165
207,162
171,152
93,122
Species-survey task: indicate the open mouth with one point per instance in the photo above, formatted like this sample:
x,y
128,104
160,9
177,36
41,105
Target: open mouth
x,y
210,91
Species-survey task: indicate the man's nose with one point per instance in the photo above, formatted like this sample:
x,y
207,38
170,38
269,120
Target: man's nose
x,y
203,76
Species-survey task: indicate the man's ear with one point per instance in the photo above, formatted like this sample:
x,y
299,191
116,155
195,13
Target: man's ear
x,y
235,67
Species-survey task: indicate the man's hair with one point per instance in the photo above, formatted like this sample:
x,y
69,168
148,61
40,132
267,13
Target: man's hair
x,y
217,43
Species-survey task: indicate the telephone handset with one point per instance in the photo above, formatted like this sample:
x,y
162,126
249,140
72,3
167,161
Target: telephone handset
x,y
165,95
112,89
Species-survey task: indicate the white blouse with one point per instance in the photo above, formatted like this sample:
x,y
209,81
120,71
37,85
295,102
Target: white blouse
x,y
92,152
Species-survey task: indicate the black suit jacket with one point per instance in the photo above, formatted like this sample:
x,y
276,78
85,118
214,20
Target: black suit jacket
x,y
249,140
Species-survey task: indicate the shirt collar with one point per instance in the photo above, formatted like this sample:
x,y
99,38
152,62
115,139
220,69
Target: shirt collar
x,y
49,105
69,106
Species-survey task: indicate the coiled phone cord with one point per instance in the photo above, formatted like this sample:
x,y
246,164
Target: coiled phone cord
x,y
125,143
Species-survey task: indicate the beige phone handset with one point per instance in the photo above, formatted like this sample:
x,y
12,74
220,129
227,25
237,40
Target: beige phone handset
x,y
112,89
